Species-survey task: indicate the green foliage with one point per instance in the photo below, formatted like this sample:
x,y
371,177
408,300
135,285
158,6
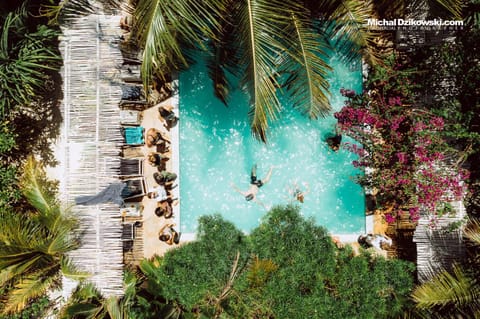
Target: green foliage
x,y
293,271
35,309
33,244
188,274
86,302
258,39
25,57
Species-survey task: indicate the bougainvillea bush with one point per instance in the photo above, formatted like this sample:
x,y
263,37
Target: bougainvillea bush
x,y
409,162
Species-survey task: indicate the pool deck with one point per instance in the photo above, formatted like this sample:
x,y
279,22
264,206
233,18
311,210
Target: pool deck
x,y
151,223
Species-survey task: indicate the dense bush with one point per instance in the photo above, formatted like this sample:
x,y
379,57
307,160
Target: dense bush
x,y
287,268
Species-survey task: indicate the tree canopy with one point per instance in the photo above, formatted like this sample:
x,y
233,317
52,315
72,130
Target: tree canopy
x,y
287,267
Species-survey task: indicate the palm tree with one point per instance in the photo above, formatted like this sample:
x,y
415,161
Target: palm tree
x,y
452,294
26,57
34,243
86,302
272,45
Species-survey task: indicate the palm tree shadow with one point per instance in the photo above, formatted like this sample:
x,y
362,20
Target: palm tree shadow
x,y
38,125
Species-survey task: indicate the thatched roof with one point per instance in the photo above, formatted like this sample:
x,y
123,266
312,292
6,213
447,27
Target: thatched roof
x,y
91,138
438,248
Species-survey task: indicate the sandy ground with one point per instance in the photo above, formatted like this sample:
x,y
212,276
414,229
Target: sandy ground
x,y
152,223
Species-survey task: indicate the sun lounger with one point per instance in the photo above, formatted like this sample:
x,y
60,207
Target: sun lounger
x,y
138,188
133,135
131,167
130,117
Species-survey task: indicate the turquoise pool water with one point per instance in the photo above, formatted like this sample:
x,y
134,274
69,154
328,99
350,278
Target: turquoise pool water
x,y
217,148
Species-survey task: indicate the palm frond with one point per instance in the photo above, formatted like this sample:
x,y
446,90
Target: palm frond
x,y
33,189
454,7
307,83
473,231
222,59
25,58
446,288
30,287
162,27
67,11
69,270
113,307
352,37
262,34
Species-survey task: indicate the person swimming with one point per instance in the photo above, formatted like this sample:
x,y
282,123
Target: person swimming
x,y
255,184
297,193
335,141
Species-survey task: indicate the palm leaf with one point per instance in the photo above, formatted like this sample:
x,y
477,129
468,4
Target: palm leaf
x,y
164,26
473,231
30,287
353,38
262,26
454,7
69,270
222,59
34,191
66,11
113,308
307,83
446,288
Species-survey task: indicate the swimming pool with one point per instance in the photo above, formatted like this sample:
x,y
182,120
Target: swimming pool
x,y
217,149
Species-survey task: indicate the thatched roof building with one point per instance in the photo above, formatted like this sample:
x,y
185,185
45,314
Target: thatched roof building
x,y
90,141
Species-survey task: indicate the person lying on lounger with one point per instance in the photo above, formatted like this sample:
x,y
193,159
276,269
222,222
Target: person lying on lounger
x,y
155,137
157,159
167,114
169,235
157,193
376,241
255,184
165,207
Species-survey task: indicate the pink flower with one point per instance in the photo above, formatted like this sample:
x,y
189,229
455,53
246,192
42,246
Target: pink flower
x,y
402,157
437,122
389,218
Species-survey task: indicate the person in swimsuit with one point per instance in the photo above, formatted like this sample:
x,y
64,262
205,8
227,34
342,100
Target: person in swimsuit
x,y
335,141
169,235
375,241
297,193
255,184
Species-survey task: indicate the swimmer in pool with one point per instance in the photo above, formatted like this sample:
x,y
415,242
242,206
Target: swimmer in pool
x,y
297,193
255,184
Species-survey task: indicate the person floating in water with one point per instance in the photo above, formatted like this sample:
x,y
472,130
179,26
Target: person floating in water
x,y
335,141
297,193
255,184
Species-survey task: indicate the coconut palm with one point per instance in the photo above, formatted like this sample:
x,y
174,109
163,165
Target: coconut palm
x,y
452,294
34,244
269,44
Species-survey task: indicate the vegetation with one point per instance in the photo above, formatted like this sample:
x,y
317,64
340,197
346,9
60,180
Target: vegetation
x,y
286,267
271,44
453,293
35,232
403,142
34,243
